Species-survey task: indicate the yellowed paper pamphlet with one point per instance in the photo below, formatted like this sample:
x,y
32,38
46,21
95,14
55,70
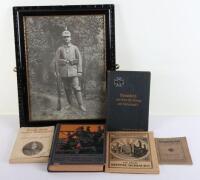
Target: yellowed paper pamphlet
x,y
32,145
173,151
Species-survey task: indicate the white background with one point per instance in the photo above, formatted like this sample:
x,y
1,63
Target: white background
x,y
161,36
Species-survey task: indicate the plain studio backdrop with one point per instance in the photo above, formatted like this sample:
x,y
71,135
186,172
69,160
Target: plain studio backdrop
x,y
161,36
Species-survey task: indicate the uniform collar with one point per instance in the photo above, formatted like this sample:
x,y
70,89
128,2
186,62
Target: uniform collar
x,y
69,45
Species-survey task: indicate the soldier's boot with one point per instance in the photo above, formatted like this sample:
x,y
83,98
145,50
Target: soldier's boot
x,y
69,98
80,100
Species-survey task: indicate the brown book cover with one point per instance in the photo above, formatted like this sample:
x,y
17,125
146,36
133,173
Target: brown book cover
x,y
77,147
131,152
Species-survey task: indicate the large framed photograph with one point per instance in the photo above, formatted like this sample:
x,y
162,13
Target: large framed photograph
x,y
62,56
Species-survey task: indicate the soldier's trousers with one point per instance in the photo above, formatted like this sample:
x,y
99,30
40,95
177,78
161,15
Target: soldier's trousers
x,y
72,83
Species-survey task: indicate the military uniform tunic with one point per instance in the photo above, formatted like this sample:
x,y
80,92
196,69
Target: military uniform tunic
x,y
70,65
70,53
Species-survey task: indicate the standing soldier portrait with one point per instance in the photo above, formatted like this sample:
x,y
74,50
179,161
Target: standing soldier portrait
x,y
68,66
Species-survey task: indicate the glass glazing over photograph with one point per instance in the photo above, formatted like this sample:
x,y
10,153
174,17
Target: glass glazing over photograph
x,y
66,66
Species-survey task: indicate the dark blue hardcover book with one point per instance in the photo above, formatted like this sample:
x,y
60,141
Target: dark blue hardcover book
x,y
128,100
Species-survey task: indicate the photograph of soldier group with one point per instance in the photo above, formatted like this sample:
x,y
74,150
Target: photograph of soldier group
x,y
135,149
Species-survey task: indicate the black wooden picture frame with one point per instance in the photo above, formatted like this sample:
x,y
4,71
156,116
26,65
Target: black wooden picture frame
x,y
21,55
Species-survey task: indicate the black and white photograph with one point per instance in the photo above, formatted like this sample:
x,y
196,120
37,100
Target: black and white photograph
x,y
65,59
32,148
66,66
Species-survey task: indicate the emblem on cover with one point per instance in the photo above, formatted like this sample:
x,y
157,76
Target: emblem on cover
x,y
118,82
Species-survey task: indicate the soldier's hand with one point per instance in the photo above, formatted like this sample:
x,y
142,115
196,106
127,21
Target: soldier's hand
x,y
56,74
62,61
79,74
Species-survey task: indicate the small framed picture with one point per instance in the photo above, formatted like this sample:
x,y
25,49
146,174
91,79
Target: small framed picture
x,y
62,56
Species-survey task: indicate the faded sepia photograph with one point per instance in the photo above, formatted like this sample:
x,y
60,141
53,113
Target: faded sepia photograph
x,y
65,66
130,148
32,148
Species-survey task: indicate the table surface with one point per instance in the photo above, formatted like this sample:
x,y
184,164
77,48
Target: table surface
x,y
161,126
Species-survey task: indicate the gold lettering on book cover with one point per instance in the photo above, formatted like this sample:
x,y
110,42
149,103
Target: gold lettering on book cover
x,y
128,99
